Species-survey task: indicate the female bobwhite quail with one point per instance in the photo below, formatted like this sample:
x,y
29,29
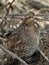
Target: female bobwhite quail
x,y
23,41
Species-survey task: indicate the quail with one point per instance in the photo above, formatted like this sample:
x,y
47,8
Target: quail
x,y
23,40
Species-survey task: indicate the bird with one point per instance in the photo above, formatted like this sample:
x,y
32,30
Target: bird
x,y
23,41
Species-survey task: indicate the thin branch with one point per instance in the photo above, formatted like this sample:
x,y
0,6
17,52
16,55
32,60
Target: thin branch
x,y
43,55
12,54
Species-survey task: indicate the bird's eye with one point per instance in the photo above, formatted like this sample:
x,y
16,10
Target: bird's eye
x,y
29,17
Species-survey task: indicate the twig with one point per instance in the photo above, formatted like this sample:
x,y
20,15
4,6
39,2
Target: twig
x,y
12,54
43,54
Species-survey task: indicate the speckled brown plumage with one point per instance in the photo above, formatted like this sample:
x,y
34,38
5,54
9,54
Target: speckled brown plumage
x,y
21,41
